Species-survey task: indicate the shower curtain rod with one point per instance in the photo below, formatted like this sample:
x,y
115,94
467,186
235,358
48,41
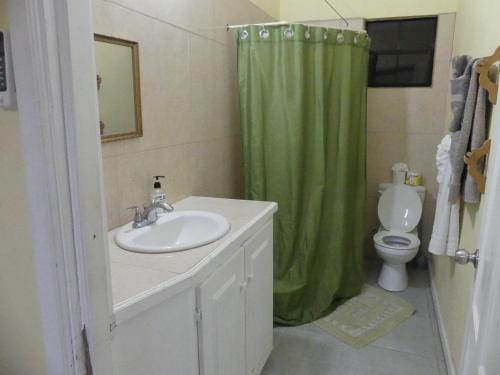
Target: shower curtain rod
x,y
280,23
276,23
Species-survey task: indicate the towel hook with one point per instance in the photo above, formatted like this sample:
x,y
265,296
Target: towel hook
x,y
472,158
483,69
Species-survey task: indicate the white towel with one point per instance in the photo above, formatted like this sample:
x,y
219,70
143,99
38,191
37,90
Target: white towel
x,y
445,233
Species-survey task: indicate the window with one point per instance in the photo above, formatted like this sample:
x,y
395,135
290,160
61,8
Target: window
x,y
402,52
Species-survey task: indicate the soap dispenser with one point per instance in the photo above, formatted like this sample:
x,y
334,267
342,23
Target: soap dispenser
x,y
157,194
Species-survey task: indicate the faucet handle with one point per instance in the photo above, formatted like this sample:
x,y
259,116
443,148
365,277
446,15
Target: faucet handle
x,y
160,198
138,213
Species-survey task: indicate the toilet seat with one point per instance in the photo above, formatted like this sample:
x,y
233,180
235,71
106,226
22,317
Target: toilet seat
x,y
400,208
396,240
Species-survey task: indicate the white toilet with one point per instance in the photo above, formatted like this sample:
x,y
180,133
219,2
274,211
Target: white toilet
x,y
397,242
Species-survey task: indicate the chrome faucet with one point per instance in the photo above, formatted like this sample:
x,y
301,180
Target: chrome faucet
x,y
148,214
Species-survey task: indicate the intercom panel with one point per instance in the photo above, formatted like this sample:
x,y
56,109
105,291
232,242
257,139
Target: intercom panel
x,y
7,85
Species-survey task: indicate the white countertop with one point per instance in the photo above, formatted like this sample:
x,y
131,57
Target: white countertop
x,y
150,278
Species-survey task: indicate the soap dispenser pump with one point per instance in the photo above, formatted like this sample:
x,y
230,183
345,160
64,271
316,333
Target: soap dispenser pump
x,y
157,194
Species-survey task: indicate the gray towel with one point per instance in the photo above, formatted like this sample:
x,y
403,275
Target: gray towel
x,y
459,85
468,126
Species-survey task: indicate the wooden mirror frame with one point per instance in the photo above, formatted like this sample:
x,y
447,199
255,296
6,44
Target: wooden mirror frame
x,y
137,88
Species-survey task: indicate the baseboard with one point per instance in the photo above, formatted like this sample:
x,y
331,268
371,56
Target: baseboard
x,y
442,331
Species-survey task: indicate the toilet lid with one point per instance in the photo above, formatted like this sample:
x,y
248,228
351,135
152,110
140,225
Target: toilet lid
x,y
400,208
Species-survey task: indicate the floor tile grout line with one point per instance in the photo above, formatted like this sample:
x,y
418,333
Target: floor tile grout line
x,y
378,346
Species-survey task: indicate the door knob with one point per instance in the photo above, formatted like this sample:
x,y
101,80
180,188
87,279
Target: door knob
x,y
463,257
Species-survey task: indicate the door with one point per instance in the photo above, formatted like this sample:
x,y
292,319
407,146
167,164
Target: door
x,y
480,353
54,68
221,304
259,298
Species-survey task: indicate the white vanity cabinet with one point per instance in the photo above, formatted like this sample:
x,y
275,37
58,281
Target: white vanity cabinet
x,y
259,299
160,341
206,311
235,306
221,306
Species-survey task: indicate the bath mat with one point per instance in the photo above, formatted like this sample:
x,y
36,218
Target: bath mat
x,y
366,317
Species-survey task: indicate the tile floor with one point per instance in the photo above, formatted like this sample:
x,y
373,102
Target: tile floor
x,y
413,348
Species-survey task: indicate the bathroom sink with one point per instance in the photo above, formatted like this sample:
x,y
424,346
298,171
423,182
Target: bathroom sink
x,y
175,231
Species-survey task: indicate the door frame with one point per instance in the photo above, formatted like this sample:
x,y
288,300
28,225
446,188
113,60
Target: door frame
x,y
54,67
473,353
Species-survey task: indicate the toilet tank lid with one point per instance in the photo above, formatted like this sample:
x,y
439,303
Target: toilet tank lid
x,y
385,185
400,208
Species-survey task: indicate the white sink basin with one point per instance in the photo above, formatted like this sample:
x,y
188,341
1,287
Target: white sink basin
x,y
175,231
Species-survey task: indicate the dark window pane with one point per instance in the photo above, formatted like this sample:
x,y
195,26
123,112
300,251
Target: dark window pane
x,y
402,52
386,68
418,34
415,68
384,35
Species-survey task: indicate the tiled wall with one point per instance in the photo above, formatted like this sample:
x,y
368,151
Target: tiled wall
x,y
189,100
406,124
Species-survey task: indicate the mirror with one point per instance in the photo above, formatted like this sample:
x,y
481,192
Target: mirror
x,y
118,86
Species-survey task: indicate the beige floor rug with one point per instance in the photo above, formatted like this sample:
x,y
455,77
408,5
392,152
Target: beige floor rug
x,y
365,318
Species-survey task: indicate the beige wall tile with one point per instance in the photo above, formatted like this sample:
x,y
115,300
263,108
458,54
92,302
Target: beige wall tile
x,y
445,36
406,124
112,190
189,100
372,223
387,110
383,150
201,87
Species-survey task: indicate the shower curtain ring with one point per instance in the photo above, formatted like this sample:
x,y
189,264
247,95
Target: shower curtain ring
x,y
288,32
243,33
307,34
264,33
356,37
340,36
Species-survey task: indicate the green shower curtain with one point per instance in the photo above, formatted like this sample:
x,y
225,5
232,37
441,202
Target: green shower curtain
x,y
303,118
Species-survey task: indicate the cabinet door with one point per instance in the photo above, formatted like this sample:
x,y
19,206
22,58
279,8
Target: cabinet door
x,y
159,341
221,300
259,298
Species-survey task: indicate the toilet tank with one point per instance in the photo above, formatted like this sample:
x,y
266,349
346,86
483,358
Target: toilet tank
x,y
420,190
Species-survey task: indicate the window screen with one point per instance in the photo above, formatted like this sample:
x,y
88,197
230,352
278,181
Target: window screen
x,y
402,52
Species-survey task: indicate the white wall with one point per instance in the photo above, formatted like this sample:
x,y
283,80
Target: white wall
x,y
21,346
295,10
477,34
271,7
